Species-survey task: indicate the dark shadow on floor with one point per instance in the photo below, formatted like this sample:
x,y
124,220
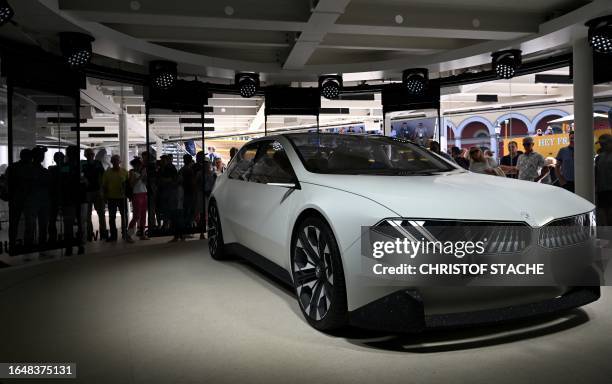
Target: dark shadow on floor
x,y
447,340
261,273
274,284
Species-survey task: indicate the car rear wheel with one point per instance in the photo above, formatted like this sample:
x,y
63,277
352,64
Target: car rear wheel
x,y
318,275
215,234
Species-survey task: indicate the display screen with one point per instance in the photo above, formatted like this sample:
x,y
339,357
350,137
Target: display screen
x,y
419,131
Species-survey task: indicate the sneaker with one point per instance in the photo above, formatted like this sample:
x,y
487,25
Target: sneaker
x,y
129,239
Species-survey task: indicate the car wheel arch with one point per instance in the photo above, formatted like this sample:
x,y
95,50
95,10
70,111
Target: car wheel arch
x,y
313,212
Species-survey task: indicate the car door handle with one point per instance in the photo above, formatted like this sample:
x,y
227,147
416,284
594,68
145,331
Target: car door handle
x,y
284,185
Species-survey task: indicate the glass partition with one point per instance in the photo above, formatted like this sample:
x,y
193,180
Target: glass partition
x,y
177,171
45,194
114,125
4,161
539,107
496,116
602,132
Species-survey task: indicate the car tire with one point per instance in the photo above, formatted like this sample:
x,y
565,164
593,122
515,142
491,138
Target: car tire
x,y
318,275
215,234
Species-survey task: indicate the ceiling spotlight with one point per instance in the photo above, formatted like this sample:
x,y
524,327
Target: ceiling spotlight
x,y
163,74
600,34
330,86
505,63
76,48
247,83
416,80
6,12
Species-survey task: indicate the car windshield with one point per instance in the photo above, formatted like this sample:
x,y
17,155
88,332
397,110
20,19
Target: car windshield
x,y
372,155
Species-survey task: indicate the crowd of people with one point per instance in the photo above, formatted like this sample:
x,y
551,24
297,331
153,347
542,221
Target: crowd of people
x,y
167,200
164,200
531,166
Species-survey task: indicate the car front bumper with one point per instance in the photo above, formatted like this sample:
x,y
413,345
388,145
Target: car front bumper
x,y
404,311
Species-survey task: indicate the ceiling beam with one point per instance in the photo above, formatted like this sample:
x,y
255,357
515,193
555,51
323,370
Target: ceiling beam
x,y
394,42
323,18
438,32
452,15
187,21
95,97
414,51
270,9
220,43
436,29
207,36
106,104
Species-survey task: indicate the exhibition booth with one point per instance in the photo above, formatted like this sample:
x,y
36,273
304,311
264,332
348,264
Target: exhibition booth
x,y
337,191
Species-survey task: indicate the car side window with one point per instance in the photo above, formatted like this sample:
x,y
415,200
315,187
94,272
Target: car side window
x,y
244,160
272,165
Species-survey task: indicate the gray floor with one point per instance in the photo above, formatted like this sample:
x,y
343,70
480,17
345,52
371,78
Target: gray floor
x,y
169,314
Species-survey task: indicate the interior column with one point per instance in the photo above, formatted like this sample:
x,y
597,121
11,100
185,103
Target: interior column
x,y
159,146
123,139
583,119
387,124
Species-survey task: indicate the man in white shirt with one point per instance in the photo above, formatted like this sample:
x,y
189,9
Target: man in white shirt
x,y
219,166
531,165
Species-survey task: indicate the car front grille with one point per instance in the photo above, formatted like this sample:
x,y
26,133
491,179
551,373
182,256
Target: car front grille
x,y
498,236
568,231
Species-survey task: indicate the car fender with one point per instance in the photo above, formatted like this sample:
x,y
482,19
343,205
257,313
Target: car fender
x,y
217,194
345,212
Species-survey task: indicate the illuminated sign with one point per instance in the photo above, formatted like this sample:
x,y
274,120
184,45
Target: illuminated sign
x,y
549,145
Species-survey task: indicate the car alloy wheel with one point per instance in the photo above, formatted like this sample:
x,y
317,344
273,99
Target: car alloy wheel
x,y
215,235
318,276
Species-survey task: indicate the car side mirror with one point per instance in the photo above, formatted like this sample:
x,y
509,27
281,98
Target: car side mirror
x,y
284,185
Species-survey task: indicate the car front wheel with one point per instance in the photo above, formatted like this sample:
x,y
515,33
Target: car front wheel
x,y
215,234
318,275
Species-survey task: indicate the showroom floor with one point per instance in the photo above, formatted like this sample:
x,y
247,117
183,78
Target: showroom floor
x,y
169,314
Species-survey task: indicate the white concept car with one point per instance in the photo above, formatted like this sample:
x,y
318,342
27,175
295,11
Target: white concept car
x,y
295,205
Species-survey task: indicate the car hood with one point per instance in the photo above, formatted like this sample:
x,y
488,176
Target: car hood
x,y
461,195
